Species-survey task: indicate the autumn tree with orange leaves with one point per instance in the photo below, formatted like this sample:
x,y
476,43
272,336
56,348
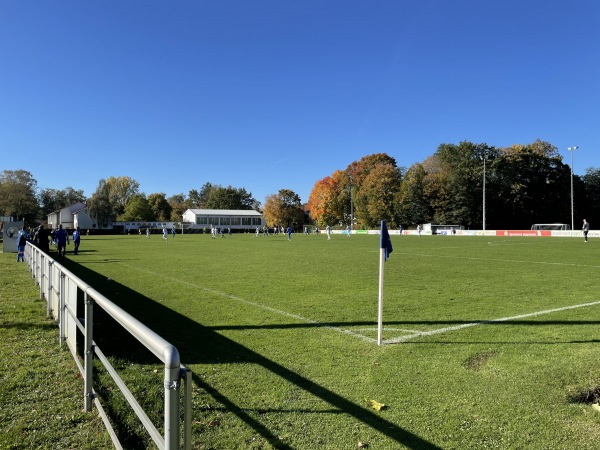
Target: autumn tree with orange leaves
x,y
369,186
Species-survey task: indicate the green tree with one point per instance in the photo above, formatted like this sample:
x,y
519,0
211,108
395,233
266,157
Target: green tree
x,y
179,204
458,183
218,197
590,206
18,195
161,208
52,200
412,207
99,205
110,198
533,185
137,209
121,189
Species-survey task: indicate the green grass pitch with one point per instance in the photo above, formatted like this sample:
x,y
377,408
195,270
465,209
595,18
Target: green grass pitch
x,y
488,342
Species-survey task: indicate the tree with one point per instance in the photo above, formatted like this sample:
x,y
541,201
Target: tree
x,y
457,182
320,200
217,197
590,206
412,207
533,185
121,189
377,194
111,197
138,209
52,200
284,208
161,209
17,195
99,205
179,205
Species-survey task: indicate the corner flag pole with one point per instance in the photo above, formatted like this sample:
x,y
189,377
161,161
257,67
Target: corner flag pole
x,y
385,248
380,305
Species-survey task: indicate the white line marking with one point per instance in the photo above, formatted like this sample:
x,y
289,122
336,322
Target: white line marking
x,y
470,258
412,335
258,305
484,322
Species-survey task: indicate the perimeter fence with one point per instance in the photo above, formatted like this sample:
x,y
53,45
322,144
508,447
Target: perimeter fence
x,y
61,289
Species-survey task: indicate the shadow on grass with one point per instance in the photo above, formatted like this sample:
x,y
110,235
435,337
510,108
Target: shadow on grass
x,y
405,323
186,335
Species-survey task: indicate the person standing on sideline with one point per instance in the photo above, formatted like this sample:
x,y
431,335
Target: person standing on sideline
x,y
173,231
419,230
62,239
21,243
348,230
165,233
76,240
328,228
400,230
41,239
289,233
147,233
585,229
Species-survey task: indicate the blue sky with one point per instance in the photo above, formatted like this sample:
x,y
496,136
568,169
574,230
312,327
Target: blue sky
x,y
267,95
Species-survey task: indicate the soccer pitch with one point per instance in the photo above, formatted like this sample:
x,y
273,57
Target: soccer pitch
x,y
488,342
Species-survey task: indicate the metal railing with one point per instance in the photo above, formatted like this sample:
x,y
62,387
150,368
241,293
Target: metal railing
x,y
59,287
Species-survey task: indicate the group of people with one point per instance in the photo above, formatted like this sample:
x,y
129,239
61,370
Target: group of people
x,y
41,238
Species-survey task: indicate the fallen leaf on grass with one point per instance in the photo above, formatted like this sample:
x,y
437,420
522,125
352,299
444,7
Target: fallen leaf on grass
x,y
596,406
377,406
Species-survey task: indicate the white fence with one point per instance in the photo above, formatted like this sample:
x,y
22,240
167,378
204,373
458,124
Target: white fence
x,y
60,288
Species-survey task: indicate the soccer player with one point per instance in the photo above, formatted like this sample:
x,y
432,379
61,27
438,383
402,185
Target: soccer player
x,y
62,239
585,229
76,240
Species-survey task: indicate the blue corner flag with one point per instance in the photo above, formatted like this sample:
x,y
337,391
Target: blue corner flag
x,y
385,241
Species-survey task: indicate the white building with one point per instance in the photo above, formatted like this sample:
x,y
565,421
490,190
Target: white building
x,y
236,219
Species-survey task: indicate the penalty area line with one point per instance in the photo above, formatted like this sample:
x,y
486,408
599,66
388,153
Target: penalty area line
x,y
484,322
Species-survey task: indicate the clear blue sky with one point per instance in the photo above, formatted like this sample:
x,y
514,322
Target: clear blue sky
x,y
277,94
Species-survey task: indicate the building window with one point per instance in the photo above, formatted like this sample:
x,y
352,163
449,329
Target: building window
x,y
236,221
256,221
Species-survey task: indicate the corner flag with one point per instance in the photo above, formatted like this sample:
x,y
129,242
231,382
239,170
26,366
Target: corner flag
x,y
384,253
385,241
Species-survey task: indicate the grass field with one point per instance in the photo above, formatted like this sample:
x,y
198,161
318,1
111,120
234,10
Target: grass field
x,y
489,342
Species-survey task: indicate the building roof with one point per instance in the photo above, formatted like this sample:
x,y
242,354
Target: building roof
x,y
225,212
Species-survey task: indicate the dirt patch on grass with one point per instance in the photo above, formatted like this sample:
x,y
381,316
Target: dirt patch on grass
x,y
590,395
479,360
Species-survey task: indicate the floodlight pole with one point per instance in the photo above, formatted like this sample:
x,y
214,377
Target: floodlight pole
x,y
351,208
571,150
484,158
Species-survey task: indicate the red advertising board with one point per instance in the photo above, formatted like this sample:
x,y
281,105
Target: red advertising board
x,y
528,233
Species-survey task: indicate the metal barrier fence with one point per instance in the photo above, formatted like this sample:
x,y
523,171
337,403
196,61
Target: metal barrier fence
x,y
59,287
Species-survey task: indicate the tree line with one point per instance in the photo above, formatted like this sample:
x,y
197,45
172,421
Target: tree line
x,y
115,199
524,184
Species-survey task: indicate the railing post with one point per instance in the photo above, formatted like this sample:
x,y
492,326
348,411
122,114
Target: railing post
x,y
186,375
47,271
172,386
61,308
88,359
